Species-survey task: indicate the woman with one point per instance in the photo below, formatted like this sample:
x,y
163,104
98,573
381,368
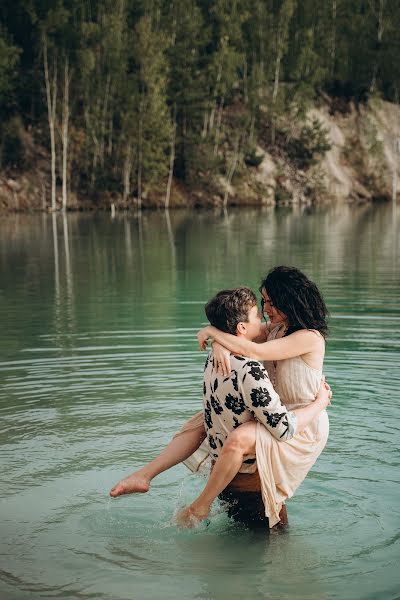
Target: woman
x,y
294,353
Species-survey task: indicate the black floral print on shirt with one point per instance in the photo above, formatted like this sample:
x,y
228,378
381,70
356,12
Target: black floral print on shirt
x,y
236,423
207,415
260,397
235,404
256,370
286,423
235,381
211,442
216,405
273,418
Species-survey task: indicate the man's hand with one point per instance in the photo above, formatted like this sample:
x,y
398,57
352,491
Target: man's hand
x,y
202,337
222,359
324,394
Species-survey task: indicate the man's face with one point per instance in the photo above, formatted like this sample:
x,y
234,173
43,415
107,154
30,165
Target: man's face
x,y
253,326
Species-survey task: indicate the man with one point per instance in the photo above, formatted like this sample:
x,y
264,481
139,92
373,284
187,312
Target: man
x,y
245,395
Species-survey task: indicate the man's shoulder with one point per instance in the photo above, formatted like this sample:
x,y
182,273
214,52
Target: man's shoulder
x,y
250,372
245,361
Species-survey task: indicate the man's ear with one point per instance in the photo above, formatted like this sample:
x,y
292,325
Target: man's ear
x,y
241,328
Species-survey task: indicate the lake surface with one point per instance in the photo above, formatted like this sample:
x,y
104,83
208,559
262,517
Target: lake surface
x,y
99,367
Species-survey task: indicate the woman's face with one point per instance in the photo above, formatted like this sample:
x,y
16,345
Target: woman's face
x,y
274,315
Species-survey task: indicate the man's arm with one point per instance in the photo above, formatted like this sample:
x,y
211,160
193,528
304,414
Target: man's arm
x,y
263,401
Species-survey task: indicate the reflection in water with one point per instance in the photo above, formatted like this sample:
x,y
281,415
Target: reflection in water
x,y
56,269
128,240
140,239
63,281
99,367
395,244
171,240
68,271
225,248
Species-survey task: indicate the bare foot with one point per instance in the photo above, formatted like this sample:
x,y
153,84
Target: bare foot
x,y
191,516
283,518
134,484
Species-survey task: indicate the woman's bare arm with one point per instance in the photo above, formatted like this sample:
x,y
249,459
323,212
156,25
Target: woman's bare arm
x,y
295,344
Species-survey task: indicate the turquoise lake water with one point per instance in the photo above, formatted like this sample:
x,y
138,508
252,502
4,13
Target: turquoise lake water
x,y
99,367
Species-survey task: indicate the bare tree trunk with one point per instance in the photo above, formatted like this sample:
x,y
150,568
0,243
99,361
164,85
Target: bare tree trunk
x,y
231,170
205,124
51,95
277,71
245,82
94,160
103,120
380,30
276,84
64,137
110,134
218,128
96,151
212,113
127,171
171,162
261,57
333,47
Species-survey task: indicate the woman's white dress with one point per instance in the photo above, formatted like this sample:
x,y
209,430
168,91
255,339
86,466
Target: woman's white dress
x,y
282,465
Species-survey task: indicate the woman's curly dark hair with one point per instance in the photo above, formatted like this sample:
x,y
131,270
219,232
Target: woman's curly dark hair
x,y
297,297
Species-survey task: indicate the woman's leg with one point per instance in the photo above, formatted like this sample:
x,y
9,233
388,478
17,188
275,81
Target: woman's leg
x,y
239,442
180,448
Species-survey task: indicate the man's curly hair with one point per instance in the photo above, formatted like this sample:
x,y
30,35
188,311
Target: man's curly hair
x,y
230,307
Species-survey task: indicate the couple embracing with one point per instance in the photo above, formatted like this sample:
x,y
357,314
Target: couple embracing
x,y
264,422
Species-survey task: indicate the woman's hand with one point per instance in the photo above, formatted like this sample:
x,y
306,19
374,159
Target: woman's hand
x,y
222,359
202,337
324,394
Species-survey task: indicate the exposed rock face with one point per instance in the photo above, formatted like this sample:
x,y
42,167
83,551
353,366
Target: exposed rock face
x,y
338,177
363,164
364,159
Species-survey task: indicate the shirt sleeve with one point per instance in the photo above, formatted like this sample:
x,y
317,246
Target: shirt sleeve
x,y
263,402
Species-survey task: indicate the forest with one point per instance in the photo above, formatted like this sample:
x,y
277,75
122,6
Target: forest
x,y
130,99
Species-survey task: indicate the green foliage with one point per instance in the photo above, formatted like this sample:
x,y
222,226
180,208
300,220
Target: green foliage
x,y
9,58
153,74
310,145
11,144
146,124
